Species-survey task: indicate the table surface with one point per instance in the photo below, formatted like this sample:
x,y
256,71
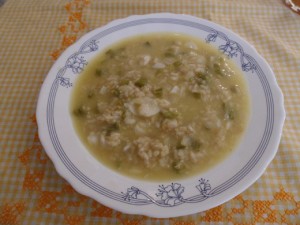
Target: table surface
x,y
33,33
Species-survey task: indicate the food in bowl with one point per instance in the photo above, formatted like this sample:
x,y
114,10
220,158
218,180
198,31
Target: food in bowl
x,y
160,106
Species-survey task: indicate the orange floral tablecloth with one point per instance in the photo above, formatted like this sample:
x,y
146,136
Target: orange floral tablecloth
x,y
33,33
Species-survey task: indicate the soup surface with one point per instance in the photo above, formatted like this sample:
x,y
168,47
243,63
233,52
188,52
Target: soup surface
x,y
160,106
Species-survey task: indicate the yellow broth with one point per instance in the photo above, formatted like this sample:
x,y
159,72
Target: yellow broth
x,y
160,106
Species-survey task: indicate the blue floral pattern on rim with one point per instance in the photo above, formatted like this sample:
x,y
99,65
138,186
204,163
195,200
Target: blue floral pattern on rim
x,y
170,195
76,63
231,49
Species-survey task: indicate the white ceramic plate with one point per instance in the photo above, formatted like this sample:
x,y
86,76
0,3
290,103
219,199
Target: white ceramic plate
x,y
161,199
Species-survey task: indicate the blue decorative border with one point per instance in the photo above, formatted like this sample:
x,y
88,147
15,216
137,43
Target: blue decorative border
x,y
169,195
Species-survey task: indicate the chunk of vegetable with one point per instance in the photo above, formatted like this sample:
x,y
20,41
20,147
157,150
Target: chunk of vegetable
x,y
80,112
180,146
169,114
169,54
234,89
158,92
217,69
196,95
141,82
195,145
98,72
217,66
90,94
177,64
110,53
112,128
201,75
147,44
229,112
175,167
116,92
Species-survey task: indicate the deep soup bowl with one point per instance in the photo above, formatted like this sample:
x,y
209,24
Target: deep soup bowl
x,y
177,197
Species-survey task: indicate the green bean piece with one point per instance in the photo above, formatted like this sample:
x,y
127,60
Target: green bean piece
x,y
217,69
196,95
221,59
229,112
116,92
217,66
169,54
110,53
177,64
112,128
224,106
199,79
90,94
201,75
180,146
175,167
195,145
98,72
141,82
123,115
158,92
80,112
234,89
169,114
147,44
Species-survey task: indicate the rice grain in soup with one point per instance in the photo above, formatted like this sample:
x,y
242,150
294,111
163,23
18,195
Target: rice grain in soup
x,y
160,106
